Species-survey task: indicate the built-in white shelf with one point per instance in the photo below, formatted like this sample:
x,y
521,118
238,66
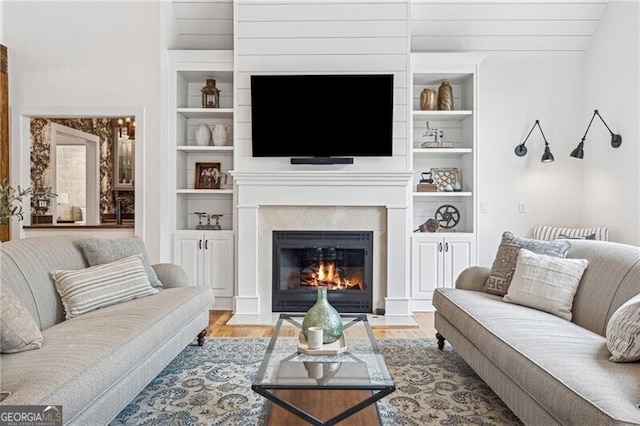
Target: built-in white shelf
x,y
206,148
454,115
204,191
206,112
441,194
441,152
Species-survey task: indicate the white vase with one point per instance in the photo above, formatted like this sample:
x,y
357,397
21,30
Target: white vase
x,y
202,135
219,132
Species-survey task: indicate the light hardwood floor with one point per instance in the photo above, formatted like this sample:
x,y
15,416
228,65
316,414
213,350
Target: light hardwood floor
x,y
218,328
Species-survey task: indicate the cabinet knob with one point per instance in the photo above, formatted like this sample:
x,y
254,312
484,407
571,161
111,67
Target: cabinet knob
x,y
446,246
206,244
200,244
439,246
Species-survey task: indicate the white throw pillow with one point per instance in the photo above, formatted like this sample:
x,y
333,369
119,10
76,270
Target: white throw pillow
x,y
545,283
623,332
96,287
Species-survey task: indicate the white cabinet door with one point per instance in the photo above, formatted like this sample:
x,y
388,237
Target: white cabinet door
x,y
426,266
187,252
458,254
218,263
436,261
207,258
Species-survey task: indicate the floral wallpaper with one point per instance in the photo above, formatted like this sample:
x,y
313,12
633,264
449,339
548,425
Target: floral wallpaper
x,y
101,127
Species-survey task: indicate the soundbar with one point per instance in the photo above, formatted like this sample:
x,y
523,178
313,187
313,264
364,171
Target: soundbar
x,y
322,160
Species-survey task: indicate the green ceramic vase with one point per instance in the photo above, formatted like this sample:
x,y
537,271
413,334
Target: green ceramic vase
x,y
322,314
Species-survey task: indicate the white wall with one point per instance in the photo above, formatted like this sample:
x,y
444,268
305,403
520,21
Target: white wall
x,y
514,91
92,54
611,176
1,21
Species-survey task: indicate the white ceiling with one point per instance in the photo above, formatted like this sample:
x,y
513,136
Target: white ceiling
x,y
435,25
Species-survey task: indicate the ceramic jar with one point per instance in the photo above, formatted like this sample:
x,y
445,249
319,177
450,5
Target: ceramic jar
x,y
445,96
322,314
428,100
202,135
220,134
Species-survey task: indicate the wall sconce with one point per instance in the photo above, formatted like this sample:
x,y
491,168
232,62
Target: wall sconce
x,y
521,150
616,140
127,124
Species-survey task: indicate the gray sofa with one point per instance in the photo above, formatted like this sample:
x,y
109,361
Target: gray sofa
x,y
546,369
96,363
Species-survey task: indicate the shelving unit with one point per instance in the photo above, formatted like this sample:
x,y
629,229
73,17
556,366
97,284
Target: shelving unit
x,y
437,258
188,72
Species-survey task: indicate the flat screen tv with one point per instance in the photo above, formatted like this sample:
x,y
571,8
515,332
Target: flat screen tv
x,y
322,115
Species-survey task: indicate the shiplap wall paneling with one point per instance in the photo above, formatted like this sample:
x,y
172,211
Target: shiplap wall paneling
x,y
503,26
306,37
202,24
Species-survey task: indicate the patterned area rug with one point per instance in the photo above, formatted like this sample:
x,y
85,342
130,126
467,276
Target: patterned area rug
x,y
211,385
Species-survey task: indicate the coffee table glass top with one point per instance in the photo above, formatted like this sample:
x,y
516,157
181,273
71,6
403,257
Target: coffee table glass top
x,y
361,366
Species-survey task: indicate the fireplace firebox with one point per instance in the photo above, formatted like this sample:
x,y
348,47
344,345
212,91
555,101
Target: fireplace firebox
x,y
338,260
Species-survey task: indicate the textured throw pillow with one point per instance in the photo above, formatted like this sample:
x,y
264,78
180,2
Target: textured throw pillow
x,y
505,262
18,330
85,290
99,251
623,332
546,283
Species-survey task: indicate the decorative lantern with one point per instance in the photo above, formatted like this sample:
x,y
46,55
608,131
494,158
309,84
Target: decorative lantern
x,y
210,95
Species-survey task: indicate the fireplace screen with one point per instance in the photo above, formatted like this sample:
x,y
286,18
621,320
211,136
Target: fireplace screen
x,y
338,260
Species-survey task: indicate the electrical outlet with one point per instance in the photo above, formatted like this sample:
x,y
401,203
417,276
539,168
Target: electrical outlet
x,y
522,208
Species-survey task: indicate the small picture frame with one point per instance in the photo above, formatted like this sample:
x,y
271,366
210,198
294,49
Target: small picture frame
x,y
208,176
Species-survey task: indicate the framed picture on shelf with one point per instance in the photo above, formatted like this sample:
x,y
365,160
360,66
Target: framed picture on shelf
x,y
208,176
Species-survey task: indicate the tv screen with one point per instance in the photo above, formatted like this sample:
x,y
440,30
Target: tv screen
x,y
322,115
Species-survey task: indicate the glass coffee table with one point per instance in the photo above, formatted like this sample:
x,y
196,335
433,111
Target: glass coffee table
x,y
307,388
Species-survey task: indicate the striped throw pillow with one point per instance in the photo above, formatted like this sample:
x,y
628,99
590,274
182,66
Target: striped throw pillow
x,y
623,332
96,287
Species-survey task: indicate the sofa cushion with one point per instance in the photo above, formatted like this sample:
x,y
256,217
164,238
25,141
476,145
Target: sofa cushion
x,y
546,283
18,331
96,287
623,332
561,365
103,346
504,263
98,251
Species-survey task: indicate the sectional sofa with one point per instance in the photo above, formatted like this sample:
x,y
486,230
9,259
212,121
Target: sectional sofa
x,y
95,363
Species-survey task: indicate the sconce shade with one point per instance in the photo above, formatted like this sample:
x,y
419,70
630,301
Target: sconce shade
x,y
547,157
616,140
578,152
521,150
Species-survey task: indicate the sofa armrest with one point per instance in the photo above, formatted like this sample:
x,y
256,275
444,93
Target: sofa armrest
x,y
171,275
473,278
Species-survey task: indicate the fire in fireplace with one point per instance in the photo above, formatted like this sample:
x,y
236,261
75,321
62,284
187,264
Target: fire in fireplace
x,y
338,260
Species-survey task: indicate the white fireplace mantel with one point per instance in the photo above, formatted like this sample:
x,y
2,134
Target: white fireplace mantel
x,y
390,190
